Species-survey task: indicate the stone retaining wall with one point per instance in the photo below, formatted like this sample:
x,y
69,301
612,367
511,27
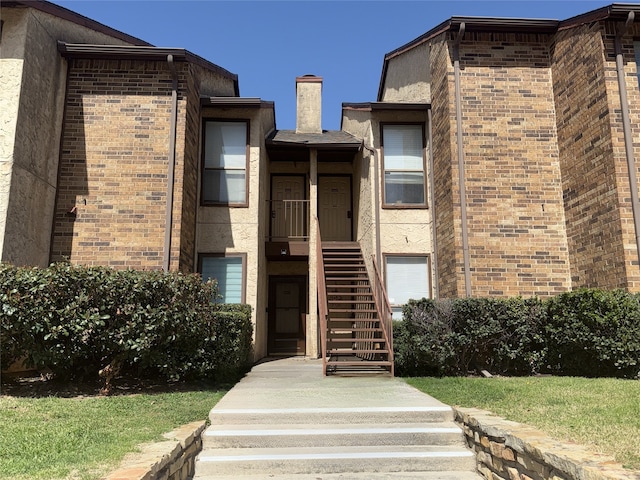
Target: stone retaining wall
x,y
508,450
173,459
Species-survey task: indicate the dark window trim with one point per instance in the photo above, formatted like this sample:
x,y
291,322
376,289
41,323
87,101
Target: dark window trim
x,y
204,203
386,255
401,206
243,256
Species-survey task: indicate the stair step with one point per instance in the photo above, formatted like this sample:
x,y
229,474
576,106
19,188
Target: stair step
x,y
304,435
352,330
330,415
352,310
448,475
320,460
355,340
349,351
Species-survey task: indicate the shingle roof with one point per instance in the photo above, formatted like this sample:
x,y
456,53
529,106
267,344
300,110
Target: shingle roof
x,y
333,139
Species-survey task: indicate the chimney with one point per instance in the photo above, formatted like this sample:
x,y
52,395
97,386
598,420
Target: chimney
x,y
309,104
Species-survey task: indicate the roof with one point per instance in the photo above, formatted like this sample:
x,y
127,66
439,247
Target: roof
x,y
379,106
235,102
615,11
66,14
328,139
142,52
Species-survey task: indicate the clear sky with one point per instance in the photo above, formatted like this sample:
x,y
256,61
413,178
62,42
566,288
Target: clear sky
x,y
269,43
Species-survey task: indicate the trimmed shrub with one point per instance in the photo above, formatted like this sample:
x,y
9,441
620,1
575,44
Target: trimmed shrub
x,y
82,322
594,333
452,337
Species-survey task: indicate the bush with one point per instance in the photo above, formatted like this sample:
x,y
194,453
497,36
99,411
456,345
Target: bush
x,y
587,332
81,322
594,333
451,337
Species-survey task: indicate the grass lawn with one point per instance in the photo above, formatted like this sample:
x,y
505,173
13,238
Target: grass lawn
x,y
84,437
602,414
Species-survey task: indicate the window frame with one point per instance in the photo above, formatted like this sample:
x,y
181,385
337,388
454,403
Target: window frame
x,y
426,256
423,205
203,168
242,256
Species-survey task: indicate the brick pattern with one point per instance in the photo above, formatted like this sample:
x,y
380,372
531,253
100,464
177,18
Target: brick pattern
x,y
111,198
514,197
587,159
447,209
608,29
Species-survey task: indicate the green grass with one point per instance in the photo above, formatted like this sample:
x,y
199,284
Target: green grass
x,y
602,414
83,438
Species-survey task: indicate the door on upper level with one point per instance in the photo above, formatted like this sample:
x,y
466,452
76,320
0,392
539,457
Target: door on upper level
x,y
334,208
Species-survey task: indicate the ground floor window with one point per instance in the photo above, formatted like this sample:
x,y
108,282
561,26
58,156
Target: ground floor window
x,y
407,278
229,273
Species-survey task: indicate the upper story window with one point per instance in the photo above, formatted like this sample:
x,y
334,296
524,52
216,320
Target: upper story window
x,y
225,164
403,163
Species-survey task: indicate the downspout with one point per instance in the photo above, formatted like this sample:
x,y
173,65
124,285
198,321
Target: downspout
x,y
626,127
432,200
172,164
463,195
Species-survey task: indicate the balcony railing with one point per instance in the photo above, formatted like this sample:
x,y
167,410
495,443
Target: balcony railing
x,y
289,220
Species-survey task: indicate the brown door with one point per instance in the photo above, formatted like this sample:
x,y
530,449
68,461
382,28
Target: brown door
x,y
287,315
288,216
334,208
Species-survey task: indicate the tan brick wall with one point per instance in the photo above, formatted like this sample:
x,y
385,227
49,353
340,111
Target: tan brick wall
x,y
630,253
447,207
514,193
586,158
113,165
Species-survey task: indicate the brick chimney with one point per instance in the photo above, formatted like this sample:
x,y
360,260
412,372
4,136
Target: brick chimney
x,y
309,104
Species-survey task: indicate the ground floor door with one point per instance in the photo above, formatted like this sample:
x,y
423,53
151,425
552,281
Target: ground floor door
x,y
287,315
334,208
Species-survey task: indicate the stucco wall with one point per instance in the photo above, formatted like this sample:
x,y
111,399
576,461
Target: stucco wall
x,y
228,230
408,77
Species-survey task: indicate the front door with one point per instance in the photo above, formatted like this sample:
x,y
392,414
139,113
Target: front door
x,y
334,208
287,315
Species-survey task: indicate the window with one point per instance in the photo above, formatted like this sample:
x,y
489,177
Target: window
x,y
224,175
407,278
229,272
403,165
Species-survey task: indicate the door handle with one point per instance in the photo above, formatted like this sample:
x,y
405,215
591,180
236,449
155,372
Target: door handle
x,y
349,214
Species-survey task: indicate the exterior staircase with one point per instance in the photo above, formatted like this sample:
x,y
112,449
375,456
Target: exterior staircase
x,y
286,421
356,341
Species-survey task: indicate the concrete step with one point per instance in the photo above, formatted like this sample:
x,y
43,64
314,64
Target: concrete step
x,y
459,475
320,460
330,415
305,435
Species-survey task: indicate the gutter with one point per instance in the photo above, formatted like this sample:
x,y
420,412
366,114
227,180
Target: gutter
x,y
626,126
461,182
172,164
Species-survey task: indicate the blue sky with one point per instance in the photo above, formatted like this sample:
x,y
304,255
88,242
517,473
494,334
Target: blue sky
x,y
268,43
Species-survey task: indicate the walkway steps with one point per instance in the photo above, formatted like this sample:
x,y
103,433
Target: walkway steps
x,y
286,420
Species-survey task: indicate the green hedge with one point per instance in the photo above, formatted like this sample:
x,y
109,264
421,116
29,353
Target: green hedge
x,y
587,332
82,322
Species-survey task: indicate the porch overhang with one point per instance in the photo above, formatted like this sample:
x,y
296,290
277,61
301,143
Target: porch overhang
x,y
331,145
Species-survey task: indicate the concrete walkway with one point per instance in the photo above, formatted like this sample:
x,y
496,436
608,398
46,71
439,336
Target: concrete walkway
x,y
285,420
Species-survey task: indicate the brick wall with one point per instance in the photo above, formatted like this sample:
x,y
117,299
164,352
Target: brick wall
x,y
623,187
113,165
587,159
514,193
447,207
